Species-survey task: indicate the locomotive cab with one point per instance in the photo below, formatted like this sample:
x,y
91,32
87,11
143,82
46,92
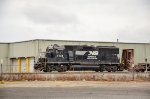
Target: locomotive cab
x,y
56,54
56,59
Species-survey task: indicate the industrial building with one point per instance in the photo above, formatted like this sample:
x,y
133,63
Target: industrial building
x,y
19,57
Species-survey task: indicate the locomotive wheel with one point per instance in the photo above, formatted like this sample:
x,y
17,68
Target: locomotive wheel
x,y
101,70
109,69
49,69
142,70
137,70
96,70
64,68
114,69
44,70
60,69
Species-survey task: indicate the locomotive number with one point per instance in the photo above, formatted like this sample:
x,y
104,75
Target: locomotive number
x,y
93,53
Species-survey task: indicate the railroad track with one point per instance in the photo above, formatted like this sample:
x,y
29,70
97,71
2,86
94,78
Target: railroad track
x,y
82,72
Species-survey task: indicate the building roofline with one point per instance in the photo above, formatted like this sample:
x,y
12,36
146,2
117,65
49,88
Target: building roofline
x,y
71,41
4,43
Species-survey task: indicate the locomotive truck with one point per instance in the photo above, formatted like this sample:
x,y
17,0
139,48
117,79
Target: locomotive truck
x,y
83,57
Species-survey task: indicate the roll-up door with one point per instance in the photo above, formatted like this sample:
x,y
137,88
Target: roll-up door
x,y
23,65
31,69
14,65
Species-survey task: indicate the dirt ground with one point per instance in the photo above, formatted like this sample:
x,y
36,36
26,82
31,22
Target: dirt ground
x,y
73,84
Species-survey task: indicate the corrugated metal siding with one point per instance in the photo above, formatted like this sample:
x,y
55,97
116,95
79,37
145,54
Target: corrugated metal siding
x,y
4,47
23,49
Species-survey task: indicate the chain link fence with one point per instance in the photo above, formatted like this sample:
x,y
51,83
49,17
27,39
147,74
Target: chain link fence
x,y
9,72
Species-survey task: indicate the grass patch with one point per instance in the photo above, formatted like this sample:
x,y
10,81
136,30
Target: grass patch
x,y
2,82
75,77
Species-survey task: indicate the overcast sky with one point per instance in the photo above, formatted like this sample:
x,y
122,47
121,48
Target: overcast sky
x,y
89,20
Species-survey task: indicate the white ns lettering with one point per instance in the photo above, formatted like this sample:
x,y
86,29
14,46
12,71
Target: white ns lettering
x,y
93,53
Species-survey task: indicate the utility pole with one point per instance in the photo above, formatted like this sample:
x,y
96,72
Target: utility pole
x,y
146,65
117,40
145,58
133,69
1,69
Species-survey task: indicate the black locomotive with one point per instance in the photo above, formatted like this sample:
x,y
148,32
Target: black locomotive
x,y
79,57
